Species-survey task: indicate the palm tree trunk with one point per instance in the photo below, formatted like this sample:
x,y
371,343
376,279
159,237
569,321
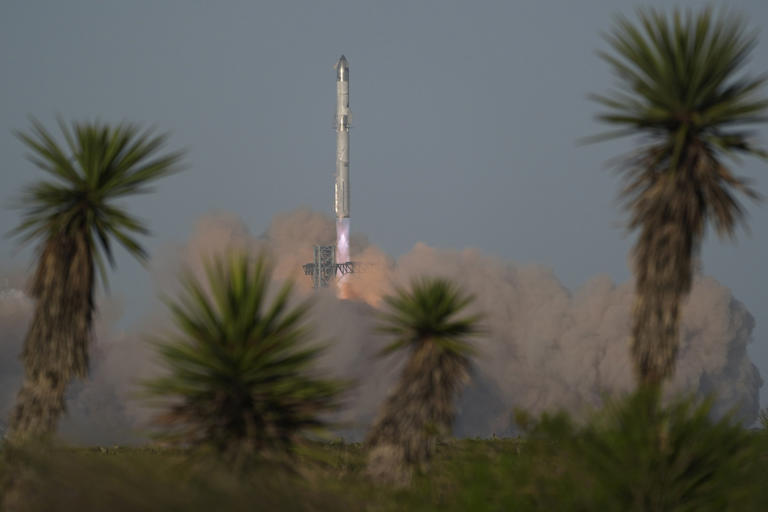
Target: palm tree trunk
x,y
56,346
39,405
664,271
416,414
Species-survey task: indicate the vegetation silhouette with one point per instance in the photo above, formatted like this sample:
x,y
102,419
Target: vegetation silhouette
x,y
75,223
426,321
639,454
681,90
240,370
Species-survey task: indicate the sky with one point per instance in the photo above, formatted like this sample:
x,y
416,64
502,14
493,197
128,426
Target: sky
x,y
466,117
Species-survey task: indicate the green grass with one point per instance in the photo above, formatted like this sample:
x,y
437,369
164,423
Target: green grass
x,y
633,455
466,475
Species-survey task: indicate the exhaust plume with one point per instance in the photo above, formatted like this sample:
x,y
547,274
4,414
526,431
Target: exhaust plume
x,y
342,253
547,348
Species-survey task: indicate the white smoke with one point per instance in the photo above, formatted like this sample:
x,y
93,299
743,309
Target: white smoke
x,y
550,348
547,348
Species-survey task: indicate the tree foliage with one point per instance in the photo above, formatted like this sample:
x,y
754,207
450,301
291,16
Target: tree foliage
x,y
73,218
426,321
240,374
639,454
681,88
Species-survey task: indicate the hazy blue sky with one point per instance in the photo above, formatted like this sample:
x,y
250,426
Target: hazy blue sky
x,y
465,121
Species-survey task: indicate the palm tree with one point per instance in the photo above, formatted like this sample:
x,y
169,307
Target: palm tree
x,y
75,222
425,321
240,375
681,88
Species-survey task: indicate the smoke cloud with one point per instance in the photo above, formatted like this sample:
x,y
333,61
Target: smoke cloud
x,y
547,347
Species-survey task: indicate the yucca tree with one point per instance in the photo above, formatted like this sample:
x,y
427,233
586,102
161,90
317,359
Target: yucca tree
x,y
429,322
241,374
75,221
682,90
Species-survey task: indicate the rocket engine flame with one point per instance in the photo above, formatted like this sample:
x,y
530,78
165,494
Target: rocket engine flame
x,y
342,240
342,252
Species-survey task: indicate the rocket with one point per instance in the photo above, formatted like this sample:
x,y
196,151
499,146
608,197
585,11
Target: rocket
x,y
341,187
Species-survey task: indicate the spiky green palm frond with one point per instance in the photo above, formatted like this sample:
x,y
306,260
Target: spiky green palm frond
x,y
681,84
429,310
240,375
98,164
680,78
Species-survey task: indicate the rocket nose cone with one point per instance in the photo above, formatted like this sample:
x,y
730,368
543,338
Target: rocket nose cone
x,y
342,69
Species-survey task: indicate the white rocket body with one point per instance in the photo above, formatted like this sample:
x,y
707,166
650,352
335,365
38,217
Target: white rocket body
x,y
341,188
